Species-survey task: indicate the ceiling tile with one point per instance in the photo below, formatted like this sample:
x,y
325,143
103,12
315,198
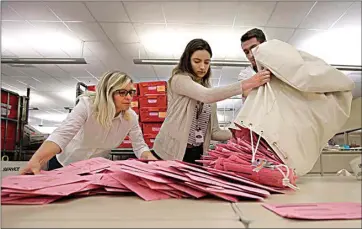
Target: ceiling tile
x,y
101,49
142,71
11,71
217,13
109,12
120,32
88,80
352,18
116,62
324,14
7,53
278,33
254,13
131,51
87,31
302,36
289,14
53,70
7,13
70,11
33,11
175,12
75,70
163,72
147,12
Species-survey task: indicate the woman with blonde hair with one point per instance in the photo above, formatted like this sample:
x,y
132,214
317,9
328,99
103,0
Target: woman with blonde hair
x,y
191,120
98,123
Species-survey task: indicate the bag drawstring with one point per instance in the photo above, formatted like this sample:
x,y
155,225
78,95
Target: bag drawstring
x,y
259,164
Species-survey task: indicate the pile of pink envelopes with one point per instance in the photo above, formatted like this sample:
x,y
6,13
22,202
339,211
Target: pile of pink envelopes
x,y
150,180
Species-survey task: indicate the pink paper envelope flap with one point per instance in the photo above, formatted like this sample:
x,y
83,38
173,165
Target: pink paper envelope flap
x,y
130,181
60,190
171,170
257,191
156,185
169,193
137,164
33,182
173,175
318,211
153,177
220,195
108,181
235,193
192,192
32,200
117,190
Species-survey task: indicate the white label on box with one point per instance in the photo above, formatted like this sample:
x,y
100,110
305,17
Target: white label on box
x,y
152,140
153,113
154,129
152,101
126,142
152,88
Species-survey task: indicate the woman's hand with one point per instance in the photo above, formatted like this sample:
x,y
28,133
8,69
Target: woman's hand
x,y
32,167
147,155
255,81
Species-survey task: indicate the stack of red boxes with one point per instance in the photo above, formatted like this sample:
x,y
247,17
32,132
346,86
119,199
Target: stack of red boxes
x,y
9,119
151,103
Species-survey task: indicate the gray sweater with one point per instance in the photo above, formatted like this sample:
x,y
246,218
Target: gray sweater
x,y
182,95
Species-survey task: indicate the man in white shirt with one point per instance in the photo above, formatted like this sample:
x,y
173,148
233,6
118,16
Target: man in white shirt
x,y
250,40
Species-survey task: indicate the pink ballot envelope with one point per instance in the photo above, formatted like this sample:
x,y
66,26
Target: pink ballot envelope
x,y
318,211
60,190
31,200
32,182
192,192
130,181
156,185
233,185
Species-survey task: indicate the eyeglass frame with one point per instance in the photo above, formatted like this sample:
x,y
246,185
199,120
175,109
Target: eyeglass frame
x,y
120,92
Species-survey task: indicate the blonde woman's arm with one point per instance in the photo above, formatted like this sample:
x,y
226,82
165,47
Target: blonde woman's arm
x,y
139,146
218,134
59,139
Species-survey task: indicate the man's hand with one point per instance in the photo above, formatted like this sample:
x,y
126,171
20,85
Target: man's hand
x,y
147,155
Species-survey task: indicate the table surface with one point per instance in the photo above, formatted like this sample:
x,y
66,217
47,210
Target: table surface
x,y
131,211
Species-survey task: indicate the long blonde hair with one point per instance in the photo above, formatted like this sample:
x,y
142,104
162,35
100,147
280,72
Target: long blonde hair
x,y
104,108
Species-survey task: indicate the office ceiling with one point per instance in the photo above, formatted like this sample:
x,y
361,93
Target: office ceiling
x,y
109,34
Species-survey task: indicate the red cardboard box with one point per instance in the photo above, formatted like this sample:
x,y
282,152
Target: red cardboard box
x,y
153,101
135,102
9,104
126,143
152,88
153,114
150,130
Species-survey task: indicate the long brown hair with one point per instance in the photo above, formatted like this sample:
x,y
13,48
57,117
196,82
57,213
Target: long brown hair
x,y
184,66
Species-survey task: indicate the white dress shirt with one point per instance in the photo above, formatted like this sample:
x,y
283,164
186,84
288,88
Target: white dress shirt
x,y
246,73
81,137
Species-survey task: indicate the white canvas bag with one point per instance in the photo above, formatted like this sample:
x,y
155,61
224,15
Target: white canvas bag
x,y
305,104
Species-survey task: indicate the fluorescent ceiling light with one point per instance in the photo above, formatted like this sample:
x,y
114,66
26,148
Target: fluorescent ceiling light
x,y
230,63
26,61
226,63
329,45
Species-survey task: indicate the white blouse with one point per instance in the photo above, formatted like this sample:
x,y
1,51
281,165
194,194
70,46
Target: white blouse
x,y
81,137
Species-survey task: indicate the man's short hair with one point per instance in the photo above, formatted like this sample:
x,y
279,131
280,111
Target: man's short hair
x,y
257,33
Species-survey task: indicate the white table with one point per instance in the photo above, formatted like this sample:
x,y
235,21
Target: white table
x,y
130,211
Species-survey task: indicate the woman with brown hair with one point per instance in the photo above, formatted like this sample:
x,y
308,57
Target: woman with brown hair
x,y
191,120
